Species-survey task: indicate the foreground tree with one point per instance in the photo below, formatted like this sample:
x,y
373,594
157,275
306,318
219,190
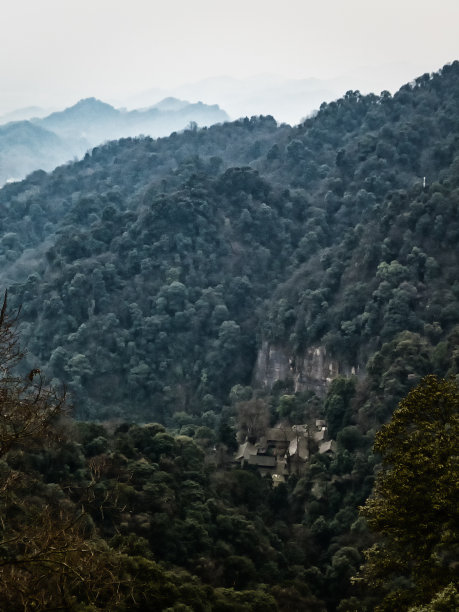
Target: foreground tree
x,y
30,410
415,504
50,555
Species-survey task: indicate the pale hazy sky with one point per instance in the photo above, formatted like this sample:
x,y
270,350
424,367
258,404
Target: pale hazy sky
x,y
54,52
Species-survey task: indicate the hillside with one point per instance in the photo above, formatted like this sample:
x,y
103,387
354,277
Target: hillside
x,y
228,280
171,260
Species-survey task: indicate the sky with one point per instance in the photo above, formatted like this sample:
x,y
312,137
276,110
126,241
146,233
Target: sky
x,y
55,52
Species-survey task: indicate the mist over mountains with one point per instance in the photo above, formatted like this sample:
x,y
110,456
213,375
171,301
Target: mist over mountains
x,y
25,113
286,99
205,297
44,143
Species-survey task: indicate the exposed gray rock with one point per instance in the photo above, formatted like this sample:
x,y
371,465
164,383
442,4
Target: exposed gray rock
x,y
314,370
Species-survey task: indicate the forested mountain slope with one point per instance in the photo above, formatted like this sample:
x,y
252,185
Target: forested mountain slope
x,y
152,269
151,273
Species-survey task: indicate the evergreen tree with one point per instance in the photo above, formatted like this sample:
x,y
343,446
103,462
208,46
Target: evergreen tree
x,y
415,504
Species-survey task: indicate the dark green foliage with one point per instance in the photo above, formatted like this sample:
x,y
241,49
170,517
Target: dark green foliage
x,y
338,404
169,258
414,506
151,274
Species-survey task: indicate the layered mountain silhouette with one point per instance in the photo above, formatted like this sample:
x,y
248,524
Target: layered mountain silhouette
x,y
289,100
44,143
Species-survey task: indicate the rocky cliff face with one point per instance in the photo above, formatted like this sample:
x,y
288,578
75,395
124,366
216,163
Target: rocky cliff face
x,y
314,370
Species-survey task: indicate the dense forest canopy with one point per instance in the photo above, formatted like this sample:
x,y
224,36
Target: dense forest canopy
x,y
169,261
155,276
132,517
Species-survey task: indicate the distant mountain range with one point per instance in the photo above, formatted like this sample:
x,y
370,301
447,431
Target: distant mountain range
x,y
25,113
286,99
34,143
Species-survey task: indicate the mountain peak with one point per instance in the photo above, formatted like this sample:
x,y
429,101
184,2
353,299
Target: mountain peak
x,y
170,104
90,104
83,109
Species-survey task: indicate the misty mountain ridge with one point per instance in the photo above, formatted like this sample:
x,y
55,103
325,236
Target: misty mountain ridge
x,y
25,146
95,120
24,114
169,104
44,143
289,100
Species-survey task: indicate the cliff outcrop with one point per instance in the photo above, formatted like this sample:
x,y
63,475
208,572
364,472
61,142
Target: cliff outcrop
x,y
314,370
